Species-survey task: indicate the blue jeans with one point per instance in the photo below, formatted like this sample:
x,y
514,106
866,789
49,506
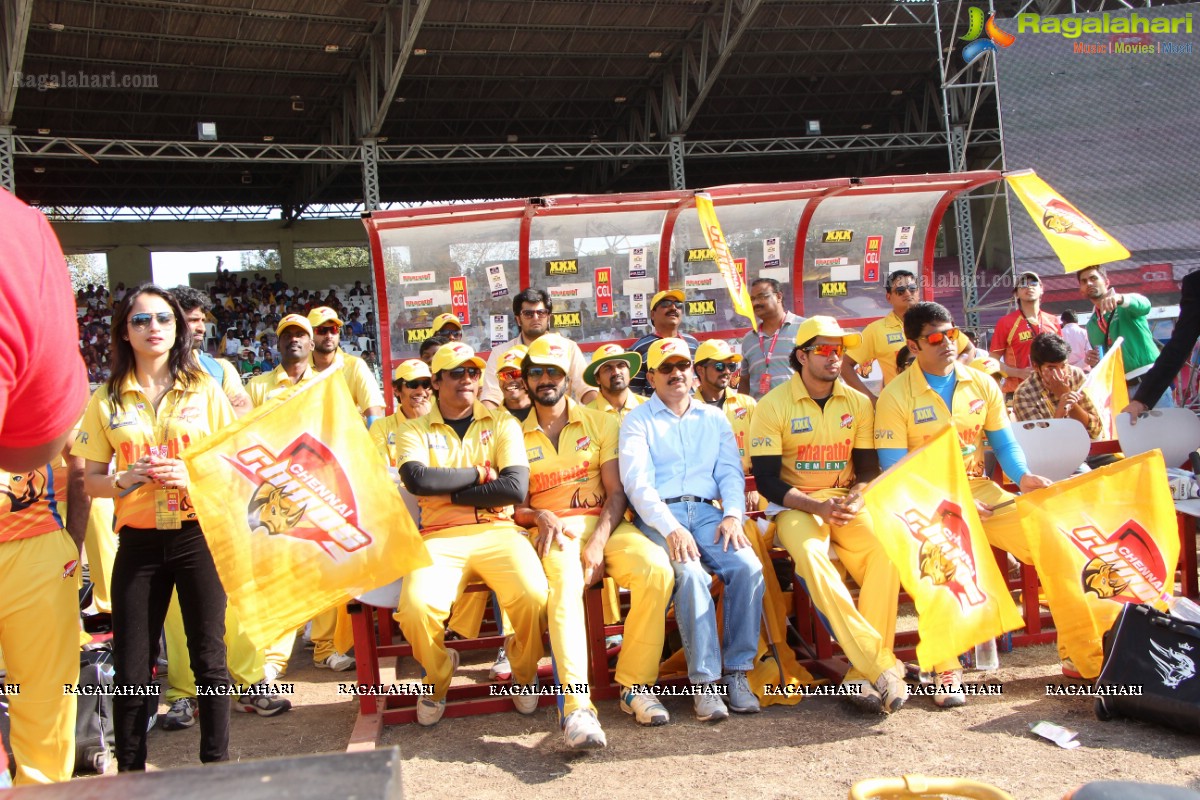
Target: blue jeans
x,y
695,611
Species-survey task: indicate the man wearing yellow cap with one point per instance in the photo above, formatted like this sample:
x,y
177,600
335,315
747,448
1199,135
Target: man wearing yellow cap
x,y
448,325
936,392
610,371
412,383
575,512
678,462
327,335
715,365
466,463
516,399
532,308
813,454
883,337
666,316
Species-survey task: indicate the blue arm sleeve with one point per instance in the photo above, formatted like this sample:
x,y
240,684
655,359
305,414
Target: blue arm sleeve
x,y
1008,453
888,456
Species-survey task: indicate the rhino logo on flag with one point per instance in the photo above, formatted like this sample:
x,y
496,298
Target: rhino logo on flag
x,y
302,492
1125,567
946,556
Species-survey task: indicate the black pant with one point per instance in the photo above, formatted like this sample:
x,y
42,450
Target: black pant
x,y
148,565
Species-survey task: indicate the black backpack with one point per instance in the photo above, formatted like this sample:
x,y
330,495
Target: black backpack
x,y
94,735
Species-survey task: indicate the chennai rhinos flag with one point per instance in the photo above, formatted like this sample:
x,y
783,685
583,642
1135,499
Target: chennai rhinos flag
x,y
735,281
1105,386
298,509
925,518
1101,540
1077,241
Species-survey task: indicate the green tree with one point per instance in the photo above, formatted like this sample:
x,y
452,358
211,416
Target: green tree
x,y
87,268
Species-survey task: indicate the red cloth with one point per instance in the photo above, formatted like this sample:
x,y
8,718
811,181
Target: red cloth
x,y
43,381
1014,335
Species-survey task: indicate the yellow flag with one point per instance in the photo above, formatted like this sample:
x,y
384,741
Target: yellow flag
x,y
1077,241
924,516
1106,388
299,510
734,280
1100,540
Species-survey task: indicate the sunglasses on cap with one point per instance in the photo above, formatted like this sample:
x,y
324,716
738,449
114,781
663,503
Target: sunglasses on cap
x,y
672,366
723,366
668,304
419,383
825,350
554,373
326,329
458,372
140,322
939,336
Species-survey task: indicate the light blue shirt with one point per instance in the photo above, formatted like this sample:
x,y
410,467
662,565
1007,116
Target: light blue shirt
x,y
664,455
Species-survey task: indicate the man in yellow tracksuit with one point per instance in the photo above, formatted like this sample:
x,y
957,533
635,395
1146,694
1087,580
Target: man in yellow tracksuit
x,y
39,620
466,464
610,371
715,364
812,454
575,513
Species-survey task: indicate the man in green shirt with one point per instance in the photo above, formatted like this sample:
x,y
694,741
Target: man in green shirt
x,y
1119,316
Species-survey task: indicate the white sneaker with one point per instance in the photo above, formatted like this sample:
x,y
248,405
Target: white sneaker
x,y
271,673
429,711
338,662
708,705
645,707
949,692
582,730
501,670
527,702
892,689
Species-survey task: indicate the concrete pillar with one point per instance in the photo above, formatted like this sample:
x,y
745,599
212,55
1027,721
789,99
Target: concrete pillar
x,y
287,256
129,264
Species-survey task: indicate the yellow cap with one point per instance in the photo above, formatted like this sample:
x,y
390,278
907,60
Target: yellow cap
x,y
988,365
512,358
411,369
813,327
442,320
606,353
551,350
321,315
293,319
716,350
455,354
674,294
663,349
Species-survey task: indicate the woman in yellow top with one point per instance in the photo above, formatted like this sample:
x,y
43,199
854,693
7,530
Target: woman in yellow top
x,y
157,403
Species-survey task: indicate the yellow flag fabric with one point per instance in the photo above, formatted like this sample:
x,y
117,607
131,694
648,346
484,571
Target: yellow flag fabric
x,y
1106,388
734,280
1100,540
924,516
1077,241
299,510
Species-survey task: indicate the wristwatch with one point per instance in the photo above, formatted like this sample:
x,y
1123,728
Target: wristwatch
x,y
116,481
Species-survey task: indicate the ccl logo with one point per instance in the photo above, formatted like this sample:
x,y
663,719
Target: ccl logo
x,y
976,46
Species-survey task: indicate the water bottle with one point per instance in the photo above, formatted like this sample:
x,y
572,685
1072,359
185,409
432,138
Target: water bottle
x,y
985,655
1182,608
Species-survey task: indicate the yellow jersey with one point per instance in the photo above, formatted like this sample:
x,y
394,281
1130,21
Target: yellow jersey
x,y
566,479
271,385
33,503
130,427
909,413
883,338
492,440
632,401
363,386
739,410
815,443
385,434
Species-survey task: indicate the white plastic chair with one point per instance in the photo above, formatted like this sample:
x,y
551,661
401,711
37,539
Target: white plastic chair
x,y
1054,448
1176,431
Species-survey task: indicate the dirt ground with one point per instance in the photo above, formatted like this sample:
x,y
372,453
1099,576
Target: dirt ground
x,y
817,749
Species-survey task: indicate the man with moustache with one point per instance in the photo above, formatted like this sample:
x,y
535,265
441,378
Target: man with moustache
x,y
412,384
327,352
196,306
1016,330
666,316
715,365
512,385
763,370
682,476
610,371
1120,315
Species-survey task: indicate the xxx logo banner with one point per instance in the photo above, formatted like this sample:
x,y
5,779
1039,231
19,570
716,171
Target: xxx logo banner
x,y
925,518
299,510
1101,540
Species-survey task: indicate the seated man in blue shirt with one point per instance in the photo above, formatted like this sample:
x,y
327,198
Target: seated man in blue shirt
x,y
678,459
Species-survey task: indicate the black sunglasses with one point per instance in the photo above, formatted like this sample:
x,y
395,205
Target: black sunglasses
x,y
140,322
668,304
668,368
554,373
458,372
909,288
420,383
723,366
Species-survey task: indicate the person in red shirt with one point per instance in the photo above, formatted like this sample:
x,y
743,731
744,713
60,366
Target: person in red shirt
x,y
1015,331
43,380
